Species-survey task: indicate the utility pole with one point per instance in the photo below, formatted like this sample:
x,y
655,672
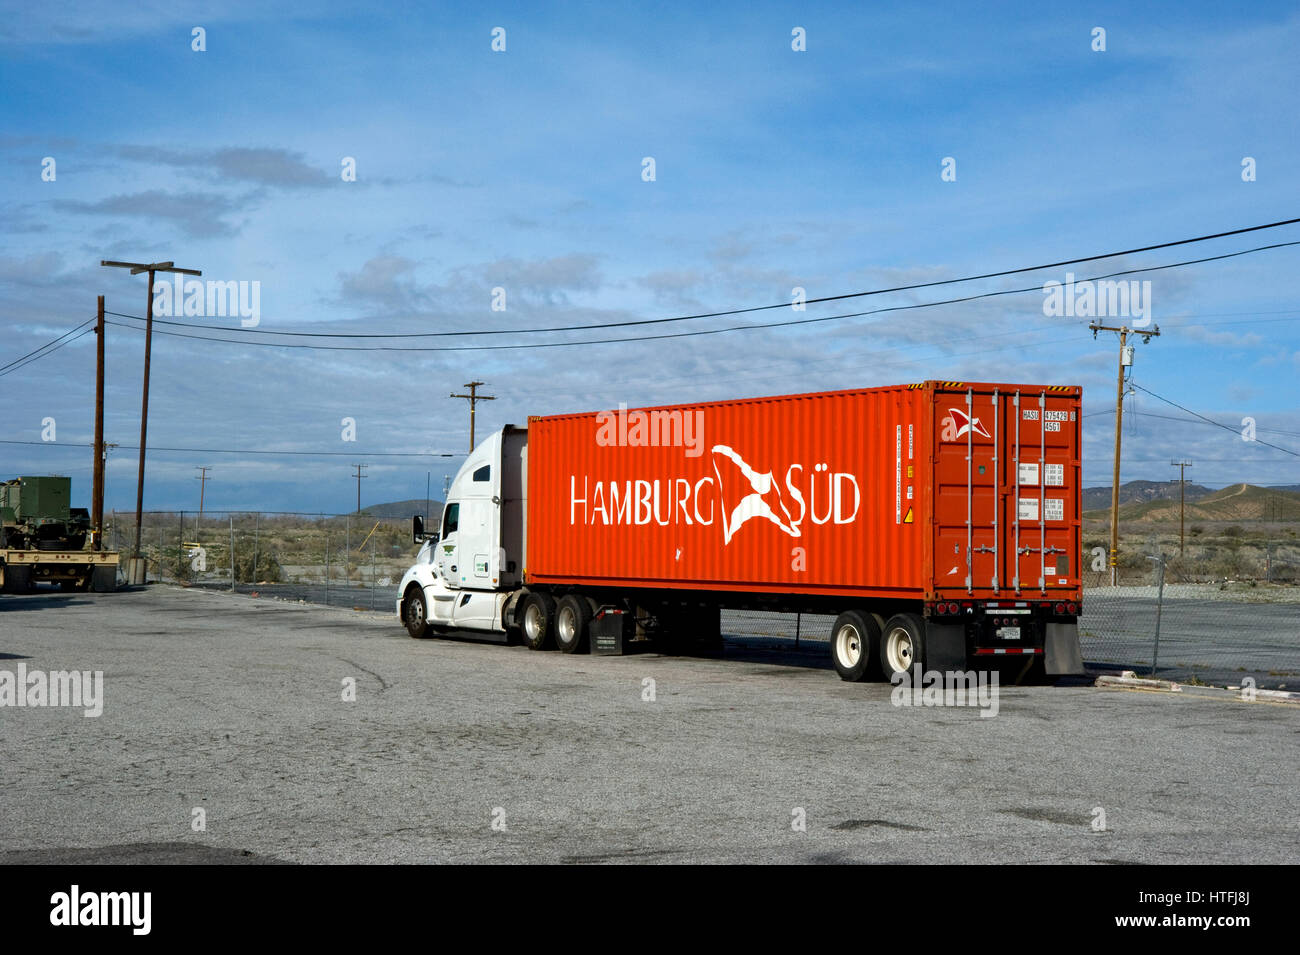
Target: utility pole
x,y
136,268
1182,500
97,481
474,398
203,483
359,475
1125,361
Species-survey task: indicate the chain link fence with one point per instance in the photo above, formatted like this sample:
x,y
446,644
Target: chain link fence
x,y
1227,609
344,560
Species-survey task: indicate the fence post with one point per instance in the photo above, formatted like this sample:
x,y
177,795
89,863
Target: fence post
x,y
256,521
327,565
372,571
232,553
1160,602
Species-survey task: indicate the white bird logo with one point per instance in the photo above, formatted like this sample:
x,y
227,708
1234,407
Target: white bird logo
x,y
763,497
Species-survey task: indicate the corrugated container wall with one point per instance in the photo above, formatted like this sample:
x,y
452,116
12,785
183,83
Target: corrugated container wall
x,y
810,494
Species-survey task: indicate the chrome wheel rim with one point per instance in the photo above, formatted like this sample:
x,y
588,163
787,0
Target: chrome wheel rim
x,y
532,621
565,626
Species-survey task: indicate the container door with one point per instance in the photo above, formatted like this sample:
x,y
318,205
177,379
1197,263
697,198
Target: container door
x,y
1041,491
969,558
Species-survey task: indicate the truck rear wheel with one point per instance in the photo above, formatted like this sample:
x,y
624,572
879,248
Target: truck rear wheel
x,y
902,646
853,639
572,617
415,613
537,621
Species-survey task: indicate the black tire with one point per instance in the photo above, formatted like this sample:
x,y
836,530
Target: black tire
x,y
854,639
537,621
572,620
415,613
902,646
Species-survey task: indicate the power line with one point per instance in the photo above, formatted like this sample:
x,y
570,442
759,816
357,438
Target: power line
x,y
1217,424
711,331
761,308
1169,417
312,454
52,346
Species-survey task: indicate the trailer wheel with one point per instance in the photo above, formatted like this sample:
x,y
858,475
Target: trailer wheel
x,y
572,617
415,613
902,646
853,638
537,620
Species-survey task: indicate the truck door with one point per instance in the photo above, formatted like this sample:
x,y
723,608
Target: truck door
x,y
449,544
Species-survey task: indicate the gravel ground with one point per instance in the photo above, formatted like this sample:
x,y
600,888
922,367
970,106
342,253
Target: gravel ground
x,y
235,706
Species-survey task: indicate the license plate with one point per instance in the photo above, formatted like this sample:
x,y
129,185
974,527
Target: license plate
x,y
1008,633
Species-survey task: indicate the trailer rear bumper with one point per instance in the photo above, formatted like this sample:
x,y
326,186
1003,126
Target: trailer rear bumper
x,y
93,570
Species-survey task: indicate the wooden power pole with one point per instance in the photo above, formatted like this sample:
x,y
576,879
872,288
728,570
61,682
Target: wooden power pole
x,y
203,470
1125,361
474,398
1182,501
97,479
359,475
136,268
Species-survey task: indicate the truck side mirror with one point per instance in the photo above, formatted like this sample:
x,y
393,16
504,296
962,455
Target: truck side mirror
x,y
417,529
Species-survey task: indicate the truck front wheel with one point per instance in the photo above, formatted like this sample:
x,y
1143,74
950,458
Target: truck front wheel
x,y
537,620
415,613
853,640
902,646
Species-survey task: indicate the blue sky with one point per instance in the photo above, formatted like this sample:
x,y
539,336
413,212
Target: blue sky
x,y
522,170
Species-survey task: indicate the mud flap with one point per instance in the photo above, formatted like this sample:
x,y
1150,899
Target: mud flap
x,y
1061,651
103,580
945,647
17,579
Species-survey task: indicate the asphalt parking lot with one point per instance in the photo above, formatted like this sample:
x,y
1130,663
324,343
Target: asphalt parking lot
x,y
455,751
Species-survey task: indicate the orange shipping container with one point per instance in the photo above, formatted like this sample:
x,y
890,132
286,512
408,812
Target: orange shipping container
x,y
933,491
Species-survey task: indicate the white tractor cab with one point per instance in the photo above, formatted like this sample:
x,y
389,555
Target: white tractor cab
x,y
468,571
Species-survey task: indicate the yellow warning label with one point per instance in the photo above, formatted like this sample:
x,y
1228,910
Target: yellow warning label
x,y
909,471
908,518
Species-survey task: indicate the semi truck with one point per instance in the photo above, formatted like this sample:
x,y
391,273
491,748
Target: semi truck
x,y
43,538
938,522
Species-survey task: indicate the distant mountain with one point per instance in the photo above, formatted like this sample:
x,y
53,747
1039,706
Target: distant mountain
x,y
1098,498
1238,502
403,510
